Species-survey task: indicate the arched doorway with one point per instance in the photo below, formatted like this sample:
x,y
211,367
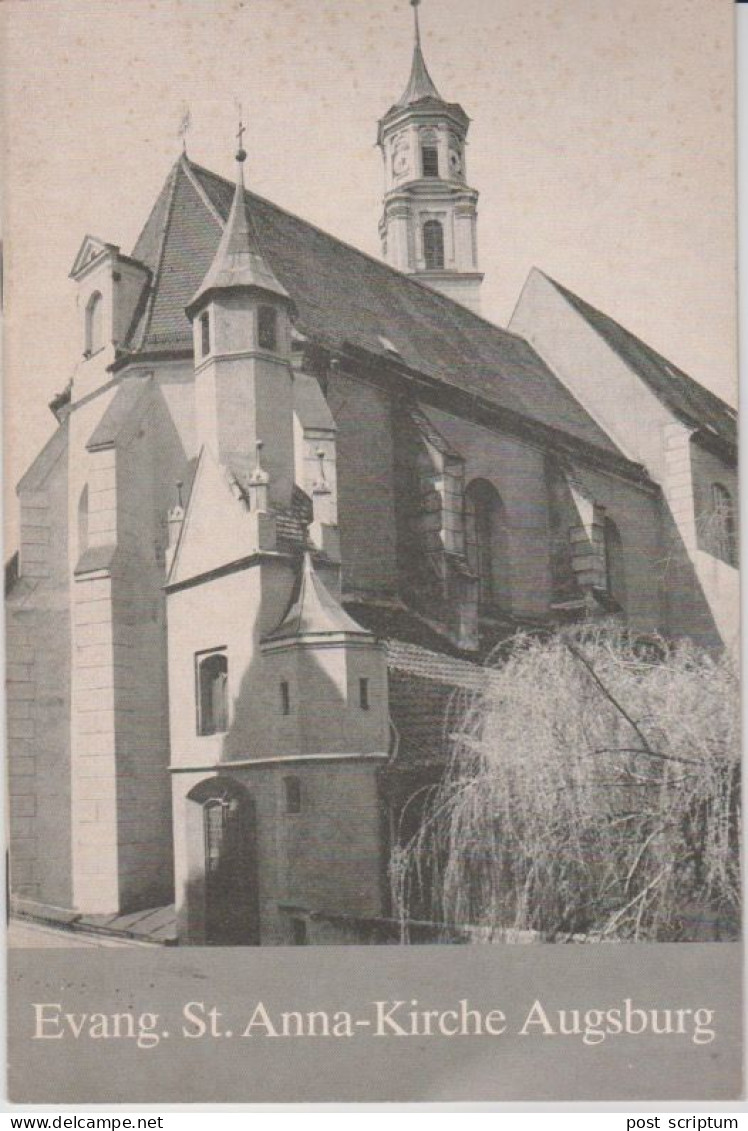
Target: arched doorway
x,y
225,867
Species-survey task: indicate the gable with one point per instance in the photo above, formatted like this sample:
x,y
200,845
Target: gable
x,y
89,251
214,531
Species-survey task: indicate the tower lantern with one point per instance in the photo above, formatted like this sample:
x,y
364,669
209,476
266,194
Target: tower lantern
x,y
428,225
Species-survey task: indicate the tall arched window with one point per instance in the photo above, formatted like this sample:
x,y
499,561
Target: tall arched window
x,y
212,693
433,244
83,521
486,543
615,576
722,522
94,324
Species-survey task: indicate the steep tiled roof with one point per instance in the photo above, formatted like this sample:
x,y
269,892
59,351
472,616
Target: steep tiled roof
x,y
344,298
689,401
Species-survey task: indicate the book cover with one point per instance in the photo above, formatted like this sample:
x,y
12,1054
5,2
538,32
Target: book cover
x,y
371,552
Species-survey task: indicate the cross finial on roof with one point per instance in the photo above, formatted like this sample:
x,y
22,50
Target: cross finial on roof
x,y
241,153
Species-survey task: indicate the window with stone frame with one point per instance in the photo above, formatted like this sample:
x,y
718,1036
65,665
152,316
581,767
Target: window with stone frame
x,y
486,544
211,674
429,161
440,476
433,244
721,534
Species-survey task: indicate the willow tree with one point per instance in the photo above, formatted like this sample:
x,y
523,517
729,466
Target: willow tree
x,y
592,792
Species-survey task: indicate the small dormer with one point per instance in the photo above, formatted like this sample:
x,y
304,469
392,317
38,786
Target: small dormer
x,y
110,287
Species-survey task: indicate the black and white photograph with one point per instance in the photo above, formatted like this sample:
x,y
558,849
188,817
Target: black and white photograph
x,y
371,513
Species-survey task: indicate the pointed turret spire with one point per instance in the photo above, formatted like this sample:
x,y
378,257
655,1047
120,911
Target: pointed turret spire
x,y
239,262
420,84
315,612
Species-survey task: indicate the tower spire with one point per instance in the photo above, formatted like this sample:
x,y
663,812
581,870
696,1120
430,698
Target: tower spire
x,y
420,84
238,262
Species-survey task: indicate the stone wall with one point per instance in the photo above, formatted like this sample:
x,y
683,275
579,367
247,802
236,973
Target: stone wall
x,y
38,688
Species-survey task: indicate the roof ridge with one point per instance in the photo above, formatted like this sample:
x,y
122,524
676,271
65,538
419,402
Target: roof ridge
x,y
412,279
566,292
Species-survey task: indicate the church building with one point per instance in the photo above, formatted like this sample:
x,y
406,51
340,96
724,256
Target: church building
x,y
294,497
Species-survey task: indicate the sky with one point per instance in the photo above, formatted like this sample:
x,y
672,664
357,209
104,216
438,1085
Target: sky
x,y
602,145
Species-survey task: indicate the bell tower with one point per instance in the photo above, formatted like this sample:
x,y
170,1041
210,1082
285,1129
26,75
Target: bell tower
x,y
428,226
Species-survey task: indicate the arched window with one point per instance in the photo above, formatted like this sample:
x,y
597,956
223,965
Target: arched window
x,y
83,521
433,244
267,328
722,522
94,324
615,576
486,543
212,693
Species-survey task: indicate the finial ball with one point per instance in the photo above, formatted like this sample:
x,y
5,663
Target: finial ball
x,y
241,156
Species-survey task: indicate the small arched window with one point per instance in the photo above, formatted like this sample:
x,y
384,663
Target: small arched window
x,y
433,244
212,693
83,521
267,328
486,543
94,324
615,575
723,541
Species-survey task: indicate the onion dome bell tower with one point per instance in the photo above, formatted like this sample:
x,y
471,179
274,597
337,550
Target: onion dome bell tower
x,y
428,227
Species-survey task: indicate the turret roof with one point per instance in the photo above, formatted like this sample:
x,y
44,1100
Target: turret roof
x,y
238,262
315,612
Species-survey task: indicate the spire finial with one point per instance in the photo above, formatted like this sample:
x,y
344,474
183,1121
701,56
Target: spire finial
x,y
414,4
184,127
241,153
